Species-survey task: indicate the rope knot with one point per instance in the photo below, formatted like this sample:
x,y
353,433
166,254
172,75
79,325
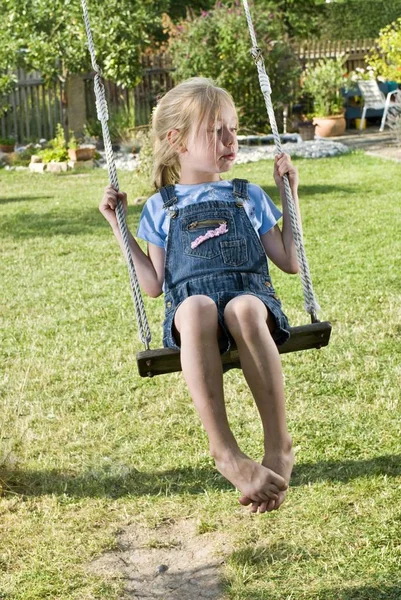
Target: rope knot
x,y
257,54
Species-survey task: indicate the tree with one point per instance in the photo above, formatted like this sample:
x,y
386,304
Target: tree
x,y
7,75
216,44
50,36
299,18
386,56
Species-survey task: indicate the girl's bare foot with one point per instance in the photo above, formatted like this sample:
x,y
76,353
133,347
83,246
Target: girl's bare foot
x,y
281,463
258,483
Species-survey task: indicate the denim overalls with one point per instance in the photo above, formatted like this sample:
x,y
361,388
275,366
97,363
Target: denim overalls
x,y
214,250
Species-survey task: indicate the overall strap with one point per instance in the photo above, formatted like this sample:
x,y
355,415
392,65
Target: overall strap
x,y
168,195
240,188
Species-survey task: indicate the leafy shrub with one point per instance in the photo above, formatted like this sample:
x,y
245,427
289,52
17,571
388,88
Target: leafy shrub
x,y
7,85
56,149
216,44
7,141
386,57
23,158
323,81
93,128
357,19
122,123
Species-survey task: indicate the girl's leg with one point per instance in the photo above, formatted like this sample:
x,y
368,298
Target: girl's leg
x,y
196,322
248,320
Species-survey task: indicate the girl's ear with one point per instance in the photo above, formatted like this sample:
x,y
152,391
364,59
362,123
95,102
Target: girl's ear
x,y
172,136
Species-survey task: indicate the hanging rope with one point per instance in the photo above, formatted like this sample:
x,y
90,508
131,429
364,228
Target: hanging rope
x,y
103,116
311,305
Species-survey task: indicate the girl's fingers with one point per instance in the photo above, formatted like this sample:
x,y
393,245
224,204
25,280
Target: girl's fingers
x,y
111,197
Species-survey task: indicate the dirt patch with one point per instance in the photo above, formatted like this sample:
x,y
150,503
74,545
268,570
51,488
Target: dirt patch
x,y
170,562
389,152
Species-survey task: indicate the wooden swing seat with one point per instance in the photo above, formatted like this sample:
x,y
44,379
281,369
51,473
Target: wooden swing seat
x,y
167,360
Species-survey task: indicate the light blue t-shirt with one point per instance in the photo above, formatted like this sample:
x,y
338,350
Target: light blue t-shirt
x,y
154,222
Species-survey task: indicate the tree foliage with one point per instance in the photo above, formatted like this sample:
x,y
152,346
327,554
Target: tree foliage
x,y
50,36
358,19
385,58
323,82
299,18
216,44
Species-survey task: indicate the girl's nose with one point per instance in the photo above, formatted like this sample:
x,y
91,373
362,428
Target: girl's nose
x,y
229,138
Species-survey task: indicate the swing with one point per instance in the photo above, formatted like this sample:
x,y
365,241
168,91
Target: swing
x,y
167,360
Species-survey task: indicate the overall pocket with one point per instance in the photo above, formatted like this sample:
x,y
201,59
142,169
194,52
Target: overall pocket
x,y
234,252
201,237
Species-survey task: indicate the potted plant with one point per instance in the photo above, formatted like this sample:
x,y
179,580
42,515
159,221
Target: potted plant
x,y
323,82
7,144
306,127
76,152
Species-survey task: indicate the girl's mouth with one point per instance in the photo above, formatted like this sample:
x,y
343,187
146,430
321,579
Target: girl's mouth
x,y
229,156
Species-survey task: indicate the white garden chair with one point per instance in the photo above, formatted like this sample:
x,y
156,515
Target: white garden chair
x,y
374,98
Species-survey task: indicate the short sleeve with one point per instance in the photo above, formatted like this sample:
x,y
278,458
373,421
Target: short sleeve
x,y
151,222
266,212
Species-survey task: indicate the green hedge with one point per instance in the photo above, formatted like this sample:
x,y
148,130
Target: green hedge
x,y
356,19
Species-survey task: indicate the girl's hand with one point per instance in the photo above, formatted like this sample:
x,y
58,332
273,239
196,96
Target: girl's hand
x,y
109,203
282,166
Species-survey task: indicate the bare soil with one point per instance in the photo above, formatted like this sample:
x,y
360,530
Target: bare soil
x,y
171,562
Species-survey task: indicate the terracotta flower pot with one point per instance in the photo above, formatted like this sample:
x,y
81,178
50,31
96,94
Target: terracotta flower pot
x,y
81,154
330,126
306,130
7,148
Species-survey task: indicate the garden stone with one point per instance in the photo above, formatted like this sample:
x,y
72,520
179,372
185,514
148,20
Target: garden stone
x,y
77,164
36,167
57,167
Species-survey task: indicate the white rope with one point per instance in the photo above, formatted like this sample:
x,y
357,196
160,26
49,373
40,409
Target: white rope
x,y
311,305
103,116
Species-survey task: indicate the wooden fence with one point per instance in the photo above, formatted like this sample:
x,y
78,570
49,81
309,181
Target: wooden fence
x,y
156,80
354,51
35,109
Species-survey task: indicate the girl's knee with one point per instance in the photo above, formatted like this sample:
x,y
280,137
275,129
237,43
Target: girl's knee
x,y
196,311
245,315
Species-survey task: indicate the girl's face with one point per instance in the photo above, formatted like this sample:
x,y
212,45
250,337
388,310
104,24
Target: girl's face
x,y
211,149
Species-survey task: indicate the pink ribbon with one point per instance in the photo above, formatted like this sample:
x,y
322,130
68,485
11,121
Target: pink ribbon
x,y
211,233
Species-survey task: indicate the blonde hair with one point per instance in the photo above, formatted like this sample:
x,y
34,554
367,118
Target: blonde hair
x,y
189,103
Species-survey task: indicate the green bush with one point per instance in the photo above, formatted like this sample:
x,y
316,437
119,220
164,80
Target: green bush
x,y
358,19
386,57
23,158
122,123
7,141
56,149
323,82
216,44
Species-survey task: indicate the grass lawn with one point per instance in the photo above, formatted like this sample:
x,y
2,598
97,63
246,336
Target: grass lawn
x,y
88,447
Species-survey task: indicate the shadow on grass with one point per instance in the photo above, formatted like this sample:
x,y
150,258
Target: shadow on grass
x,y
346,470
13,199
114,482
117,481
371,592
255,560
25,225
317,190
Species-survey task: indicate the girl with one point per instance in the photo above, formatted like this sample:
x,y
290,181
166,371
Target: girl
x,y
207,241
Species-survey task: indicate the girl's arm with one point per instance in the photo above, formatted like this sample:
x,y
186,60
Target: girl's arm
x,y
149,267
279,244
